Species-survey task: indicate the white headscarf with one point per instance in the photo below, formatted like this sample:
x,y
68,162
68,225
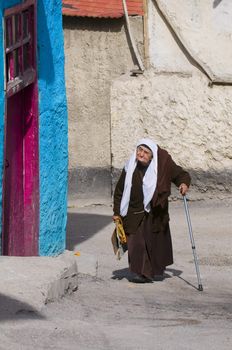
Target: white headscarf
x,y
149,179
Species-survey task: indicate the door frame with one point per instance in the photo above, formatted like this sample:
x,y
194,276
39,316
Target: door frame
x,y
26,82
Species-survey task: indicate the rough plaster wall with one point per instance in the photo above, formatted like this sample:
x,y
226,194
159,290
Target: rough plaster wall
x,y
97,52
179,110
165,54
53,129
183,115
205,28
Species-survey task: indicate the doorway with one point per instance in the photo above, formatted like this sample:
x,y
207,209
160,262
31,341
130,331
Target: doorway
x,y
20,222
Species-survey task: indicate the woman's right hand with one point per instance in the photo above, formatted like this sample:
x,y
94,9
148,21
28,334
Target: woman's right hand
x,y
116,217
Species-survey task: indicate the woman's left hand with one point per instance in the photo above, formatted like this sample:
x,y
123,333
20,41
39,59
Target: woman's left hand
x,y
183,188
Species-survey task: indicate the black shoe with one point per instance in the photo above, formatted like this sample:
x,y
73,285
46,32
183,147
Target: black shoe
x,y
140,279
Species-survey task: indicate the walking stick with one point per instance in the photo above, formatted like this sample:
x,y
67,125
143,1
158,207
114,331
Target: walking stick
x,y
200,287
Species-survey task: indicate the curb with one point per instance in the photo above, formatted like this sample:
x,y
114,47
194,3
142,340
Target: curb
x,y
28,283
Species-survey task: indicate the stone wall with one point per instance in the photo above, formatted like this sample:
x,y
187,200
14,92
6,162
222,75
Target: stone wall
x,y
173,103
183,115
97,52
182,31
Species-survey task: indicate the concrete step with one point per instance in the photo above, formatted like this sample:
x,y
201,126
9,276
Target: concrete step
x,y
28,283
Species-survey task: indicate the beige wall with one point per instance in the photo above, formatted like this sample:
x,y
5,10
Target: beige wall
x,y
183,115
189,45
97,52
173,103
203,27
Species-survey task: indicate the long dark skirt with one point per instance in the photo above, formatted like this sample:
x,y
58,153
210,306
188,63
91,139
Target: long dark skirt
x,y
149,252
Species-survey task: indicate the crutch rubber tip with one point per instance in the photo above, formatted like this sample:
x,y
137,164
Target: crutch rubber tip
x,y
200,288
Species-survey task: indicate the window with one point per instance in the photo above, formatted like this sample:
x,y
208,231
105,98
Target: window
x,y
19,46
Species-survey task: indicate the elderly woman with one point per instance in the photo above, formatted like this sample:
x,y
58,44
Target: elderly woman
x,y
141,200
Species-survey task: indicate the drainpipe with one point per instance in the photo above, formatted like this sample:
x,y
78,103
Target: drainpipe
x,y
145,34
135,50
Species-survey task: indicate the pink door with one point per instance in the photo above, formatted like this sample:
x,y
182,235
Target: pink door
x,y
21,173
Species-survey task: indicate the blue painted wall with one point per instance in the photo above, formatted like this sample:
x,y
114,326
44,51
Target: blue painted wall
x,y
53,137
53,132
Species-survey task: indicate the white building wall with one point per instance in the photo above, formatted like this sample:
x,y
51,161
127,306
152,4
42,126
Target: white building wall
x,y
173,102
203,27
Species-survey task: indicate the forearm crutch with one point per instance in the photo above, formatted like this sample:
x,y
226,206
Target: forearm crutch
x,y
200,287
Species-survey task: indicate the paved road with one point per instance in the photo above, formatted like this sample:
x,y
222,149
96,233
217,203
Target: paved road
x,y
109,312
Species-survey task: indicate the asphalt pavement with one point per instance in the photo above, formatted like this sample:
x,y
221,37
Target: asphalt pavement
x,y
107,311
172,314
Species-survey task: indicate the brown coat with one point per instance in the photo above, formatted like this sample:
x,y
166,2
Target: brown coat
x,y
148,234
168,172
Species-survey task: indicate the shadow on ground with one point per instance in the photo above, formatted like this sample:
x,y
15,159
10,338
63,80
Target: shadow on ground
x,y
12,309
125,273
177,273
81,227
169,273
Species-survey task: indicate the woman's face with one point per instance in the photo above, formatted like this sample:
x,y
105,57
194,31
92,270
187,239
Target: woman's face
x,y
143,155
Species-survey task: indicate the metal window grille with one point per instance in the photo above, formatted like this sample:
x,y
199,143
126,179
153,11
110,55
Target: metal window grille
x,y
20,55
